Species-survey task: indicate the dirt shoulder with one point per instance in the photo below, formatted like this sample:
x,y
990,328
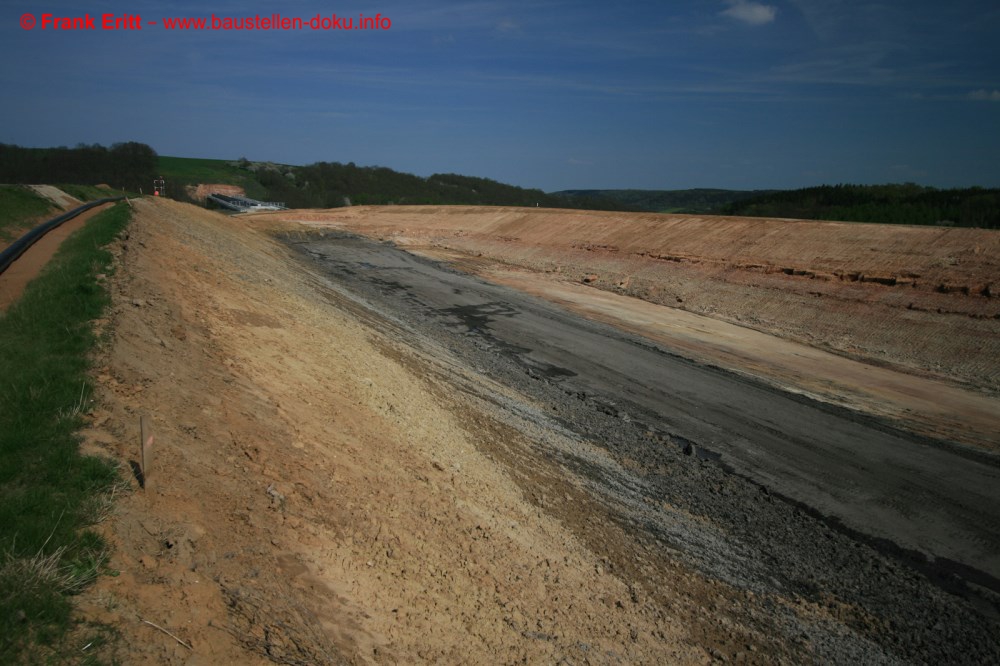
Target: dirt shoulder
x,y
313,500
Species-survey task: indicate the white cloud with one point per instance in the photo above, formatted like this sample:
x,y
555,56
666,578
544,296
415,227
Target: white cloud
x,y
507,25
752,13
985,95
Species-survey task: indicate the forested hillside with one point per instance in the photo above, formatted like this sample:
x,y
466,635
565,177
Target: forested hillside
x,y
887,204
699,200
333,184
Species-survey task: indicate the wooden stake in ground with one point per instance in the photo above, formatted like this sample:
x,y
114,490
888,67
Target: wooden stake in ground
x,y
156,626
145,449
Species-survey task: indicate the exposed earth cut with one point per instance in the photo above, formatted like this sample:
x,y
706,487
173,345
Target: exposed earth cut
x,y
202,191
345,471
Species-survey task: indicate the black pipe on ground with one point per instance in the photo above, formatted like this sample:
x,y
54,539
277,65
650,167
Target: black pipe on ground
x,y
10,254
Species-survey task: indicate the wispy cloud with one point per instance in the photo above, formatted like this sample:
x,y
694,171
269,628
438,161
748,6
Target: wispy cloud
x,y
508,25
749,12
882,64
985,95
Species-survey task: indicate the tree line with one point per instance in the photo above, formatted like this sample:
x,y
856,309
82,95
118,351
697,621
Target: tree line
x,y
887,204
694,201
332,184
134,166
131,165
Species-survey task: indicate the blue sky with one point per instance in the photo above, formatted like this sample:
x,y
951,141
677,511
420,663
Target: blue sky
x,y
670,94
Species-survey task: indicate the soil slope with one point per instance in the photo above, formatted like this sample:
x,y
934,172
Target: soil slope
x,y
312,499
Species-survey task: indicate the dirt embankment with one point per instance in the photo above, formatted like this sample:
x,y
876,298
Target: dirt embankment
x,y
314,500
919,299
56,196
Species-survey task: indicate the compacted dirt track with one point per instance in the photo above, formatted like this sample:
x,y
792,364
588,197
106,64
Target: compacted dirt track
x,y
345,472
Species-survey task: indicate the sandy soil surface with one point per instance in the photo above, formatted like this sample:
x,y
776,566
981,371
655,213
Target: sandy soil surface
x,y
324,491
313,499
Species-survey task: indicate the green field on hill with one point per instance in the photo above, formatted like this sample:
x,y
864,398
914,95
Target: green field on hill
x,y
180,172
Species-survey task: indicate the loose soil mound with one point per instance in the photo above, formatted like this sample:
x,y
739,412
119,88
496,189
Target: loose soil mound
x,y
57,196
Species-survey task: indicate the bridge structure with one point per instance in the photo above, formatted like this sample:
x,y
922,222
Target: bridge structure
x,y
245,204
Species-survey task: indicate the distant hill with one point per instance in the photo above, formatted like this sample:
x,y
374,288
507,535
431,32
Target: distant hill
x,y
332,184
701,200
133,166
884,204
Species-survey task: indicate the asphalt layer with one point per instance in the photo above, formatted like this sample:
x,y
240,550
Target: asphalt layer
x,y
808,499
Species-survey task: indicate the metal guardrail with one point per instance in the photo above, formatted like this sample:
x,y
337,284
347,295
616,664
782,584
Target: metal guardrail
x,y
18,247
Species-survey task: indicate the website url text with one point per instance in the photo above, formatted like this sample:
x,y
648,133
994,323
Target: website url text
x,y
257,22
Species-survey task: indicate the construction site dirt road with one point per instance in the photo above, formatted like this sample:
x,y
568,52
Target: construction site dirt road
x,y
368,456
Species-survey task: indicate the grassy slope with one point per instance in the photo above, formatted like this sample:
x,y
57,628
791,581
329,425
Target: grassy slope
x,y
49,493
19,206
193,170
89,192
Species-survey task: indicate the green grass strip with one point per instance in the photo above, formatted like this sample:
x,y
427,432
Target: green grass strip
x,y
49,493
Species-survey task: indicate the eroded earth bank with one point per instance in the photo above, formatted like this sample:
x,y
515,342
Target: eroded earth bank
x,y
348,470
